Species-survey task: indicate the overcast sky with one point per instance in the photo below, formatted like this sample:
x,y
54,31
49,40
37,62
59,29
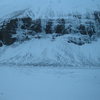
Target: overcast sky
x,y
8,6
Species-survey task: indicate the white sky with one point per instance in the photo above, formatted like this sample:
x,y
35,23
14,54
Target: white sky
x,y
66,6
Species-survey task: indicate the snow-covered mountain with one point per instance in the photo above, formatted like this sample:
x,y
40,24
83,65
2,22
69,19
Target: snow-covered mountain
x,y
50,32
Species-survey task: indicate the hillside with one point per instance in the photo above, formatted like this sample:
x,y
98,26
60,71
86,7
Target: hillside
x,y
48,35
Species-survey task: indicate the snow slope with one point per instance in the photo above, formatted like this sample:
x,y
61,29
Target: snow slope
x,y
48,52
45,7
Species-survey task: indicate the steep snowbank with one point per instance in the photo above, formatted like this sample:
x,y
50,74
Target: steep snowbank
x,y
45,51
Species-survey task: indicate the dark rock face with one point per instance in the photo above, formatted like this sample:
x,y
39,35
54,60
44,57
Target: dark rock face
x,y
87,29
49,26
79,40
6,38
36,26
97,16
10,27
7,31
1,36
1,44
90,29
61,26
82,29
26,23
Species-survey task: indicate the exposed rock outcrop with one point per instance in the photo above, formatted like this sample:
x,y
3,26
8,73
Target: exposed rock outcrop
x,y
27,26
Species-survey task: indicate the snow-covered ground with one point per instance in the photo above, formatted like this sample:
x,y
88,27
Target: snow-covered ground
x,y
48,83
